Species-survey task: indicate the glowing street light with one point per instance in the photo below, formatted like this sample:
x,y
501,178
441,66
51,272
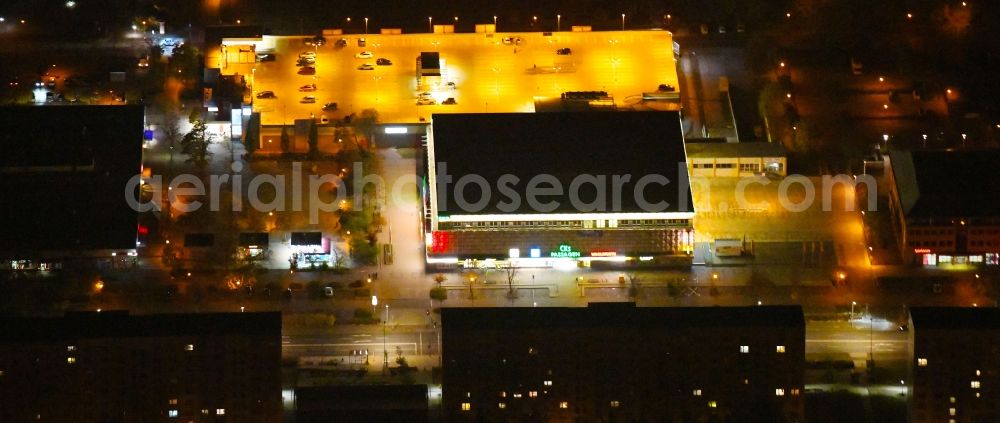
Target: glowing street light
x,y
430,24
558,23
623,21
366,26
494,23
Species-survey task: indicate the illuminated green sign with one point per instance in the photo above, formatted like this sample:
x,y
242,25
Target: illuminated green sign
x,y
566,251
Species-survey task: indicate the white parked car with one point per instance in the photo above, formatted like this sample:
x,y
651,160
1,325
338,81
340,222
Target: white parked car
x,y
364,55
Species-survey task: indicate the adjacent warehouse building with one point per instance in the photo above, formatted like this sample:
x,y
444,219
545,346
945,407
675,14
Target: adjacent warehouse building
x,y
556,189
113,367
944,209
617,362
717,158
954,364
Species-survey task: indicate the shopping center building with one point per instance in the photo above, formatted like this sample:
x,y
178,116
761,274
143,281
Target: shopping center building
x,y
558,190
944,209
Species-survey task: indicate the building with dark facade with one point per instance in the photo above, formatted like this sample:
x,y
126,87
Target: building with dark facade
x,y
617,362
556,189
361,404
954,364
944,209
64,174
113,367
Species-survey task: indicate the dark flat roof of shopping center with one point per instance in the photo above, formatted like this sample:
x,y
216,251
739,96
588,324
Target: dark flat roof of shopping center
x,y
63,173
564,145
947,184
619,314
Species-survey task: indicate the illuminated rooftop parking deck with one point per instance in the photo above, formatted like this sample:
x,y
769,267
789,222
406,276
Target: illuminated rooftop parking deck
x,y
482,72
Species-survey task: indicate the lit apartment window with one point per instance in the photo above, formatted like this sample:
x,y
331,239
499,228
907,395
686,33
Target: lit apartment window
x,y
532,394
978,373
744,349
779,392
468,394
172,413
922,362
951,411
71,360
712,404
951,399
696,392
795,391
563,404
780,349
517,395
615,404
977,394
503,394
204,411
502,405
172,401
974,384
466,406
547,383
189,347
71,348
220,411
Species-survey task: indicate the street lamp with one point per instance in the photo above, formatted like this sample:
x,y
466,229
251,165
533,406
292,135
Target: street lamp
x,y
366,26
558,23
494,23
374,303
430,24
853,303
385,352
623,21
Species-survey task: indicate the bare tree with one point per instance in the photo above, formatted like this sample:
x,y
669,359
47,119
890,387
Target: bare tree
x,y
633,282
511,273
171,128
439,279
